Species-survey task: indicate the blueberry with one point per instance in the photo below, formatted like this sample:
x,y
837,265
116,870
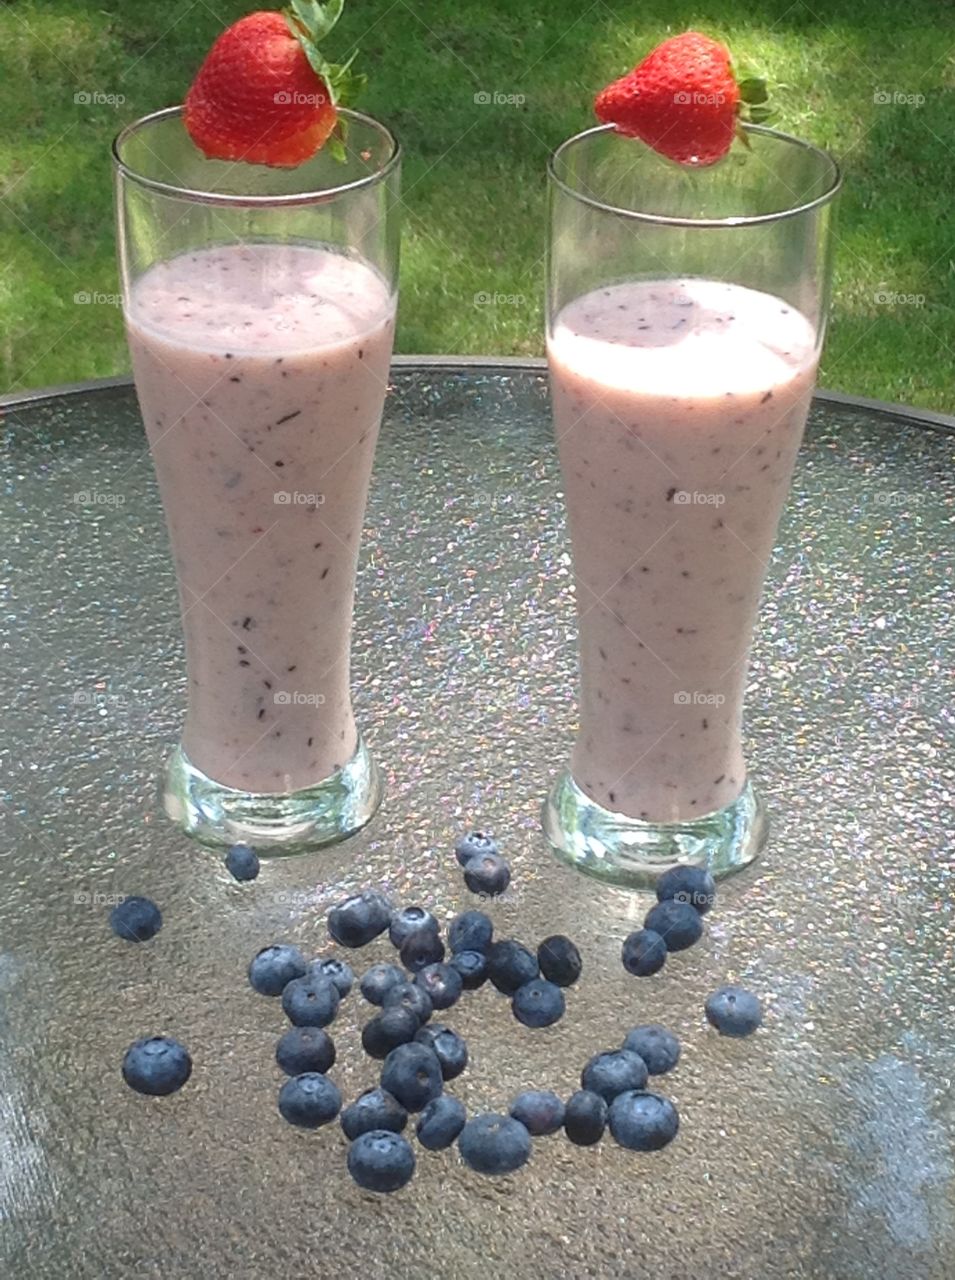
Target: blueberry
x,y
421,949
373,1109
585,1118
440,1122
412,1073
309,1100
356,920
336,970
472,966
388,1029
643,1121
135,919
472,844
443,984
510,965
470,931
539,1111
689,884
659,1048
242,862
305,1049
378,981
734,1011
559,960
644,952
407,995
448,1047
487,874
381,1161
310,1002
157,1065
614,1072
538,1003
494,1144
274,968
677,923
409,920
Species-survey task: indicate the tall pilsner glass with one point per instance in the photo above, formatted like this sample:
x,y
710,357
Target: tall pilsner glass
x,y
686,312
260,309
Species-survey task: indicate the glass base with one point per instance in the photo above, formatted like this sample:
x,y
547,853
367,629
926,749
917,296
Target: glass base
x,y
275,822
628,852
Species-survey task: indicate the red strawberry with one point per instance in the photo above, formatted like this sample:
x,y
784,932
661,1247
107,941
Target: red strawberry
x,y
682,99
264,93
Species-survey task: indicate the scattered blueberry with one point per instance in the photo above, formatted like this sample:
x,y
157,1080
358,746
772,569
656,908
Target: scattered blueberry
x,y
643,1121
448,1047
443,984
440,1122
470,931
305,1049
689,884
409,920
373,1109
309,1100
242,862
659,1048
337,970
559,960
311,1002
274,968
474,843
135,919
734,1011
358,919
539,1111
510,965
677,923
538,1003
408,995
157,1065
487,874
585,1118
381,1161
613,1072
421,949
393,1026
472,966
494,1144
644,952
412,1073
378,981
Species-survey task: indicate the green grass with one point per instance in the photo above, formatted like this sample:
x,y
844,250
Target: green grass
x,y
474,174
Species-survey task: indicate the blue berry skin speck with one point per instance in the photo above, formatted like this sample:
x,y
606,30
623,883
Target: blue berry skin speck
x,y
357,920
734,1011
689,884
585,1118
304,1049
644,953
381,1161
275,967
440,1122
677,923
538,1003
643,1121
337,971
559,960
421,949
408,995
510,965
309,1100
378,981
487,874
409,920
472,966
613,1072
494,1144
473,844
373,1109
242,862
539,1111
470,931
443,984
412,1074
387,1030
156,1065
659,1048
135,919
310,1002
448,1047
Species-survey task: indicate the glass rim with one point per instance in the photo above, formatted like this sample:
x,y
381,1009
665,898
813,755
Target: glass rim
x,y
235,199
743,220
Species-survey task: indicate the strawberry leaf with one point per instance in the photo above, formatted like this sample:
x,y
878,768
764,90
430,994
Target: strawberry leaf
x,y
314,18
753,90
759,115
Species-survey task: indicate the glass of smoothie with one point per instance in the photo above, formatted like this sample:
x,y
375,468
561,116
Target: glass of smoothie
x,y
686,311
260,311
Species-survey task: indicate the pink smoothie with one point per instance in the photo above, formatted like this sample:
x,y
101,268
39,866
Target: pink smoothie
x,y
261,372
679,407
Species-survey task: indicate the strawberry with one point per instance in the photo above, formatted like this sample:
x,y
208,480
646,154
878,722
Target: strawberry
x,y
683,100
264,93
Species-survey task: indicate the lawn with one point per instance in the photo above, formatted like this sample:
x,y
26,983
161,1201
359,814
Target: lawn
x,y
73,71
